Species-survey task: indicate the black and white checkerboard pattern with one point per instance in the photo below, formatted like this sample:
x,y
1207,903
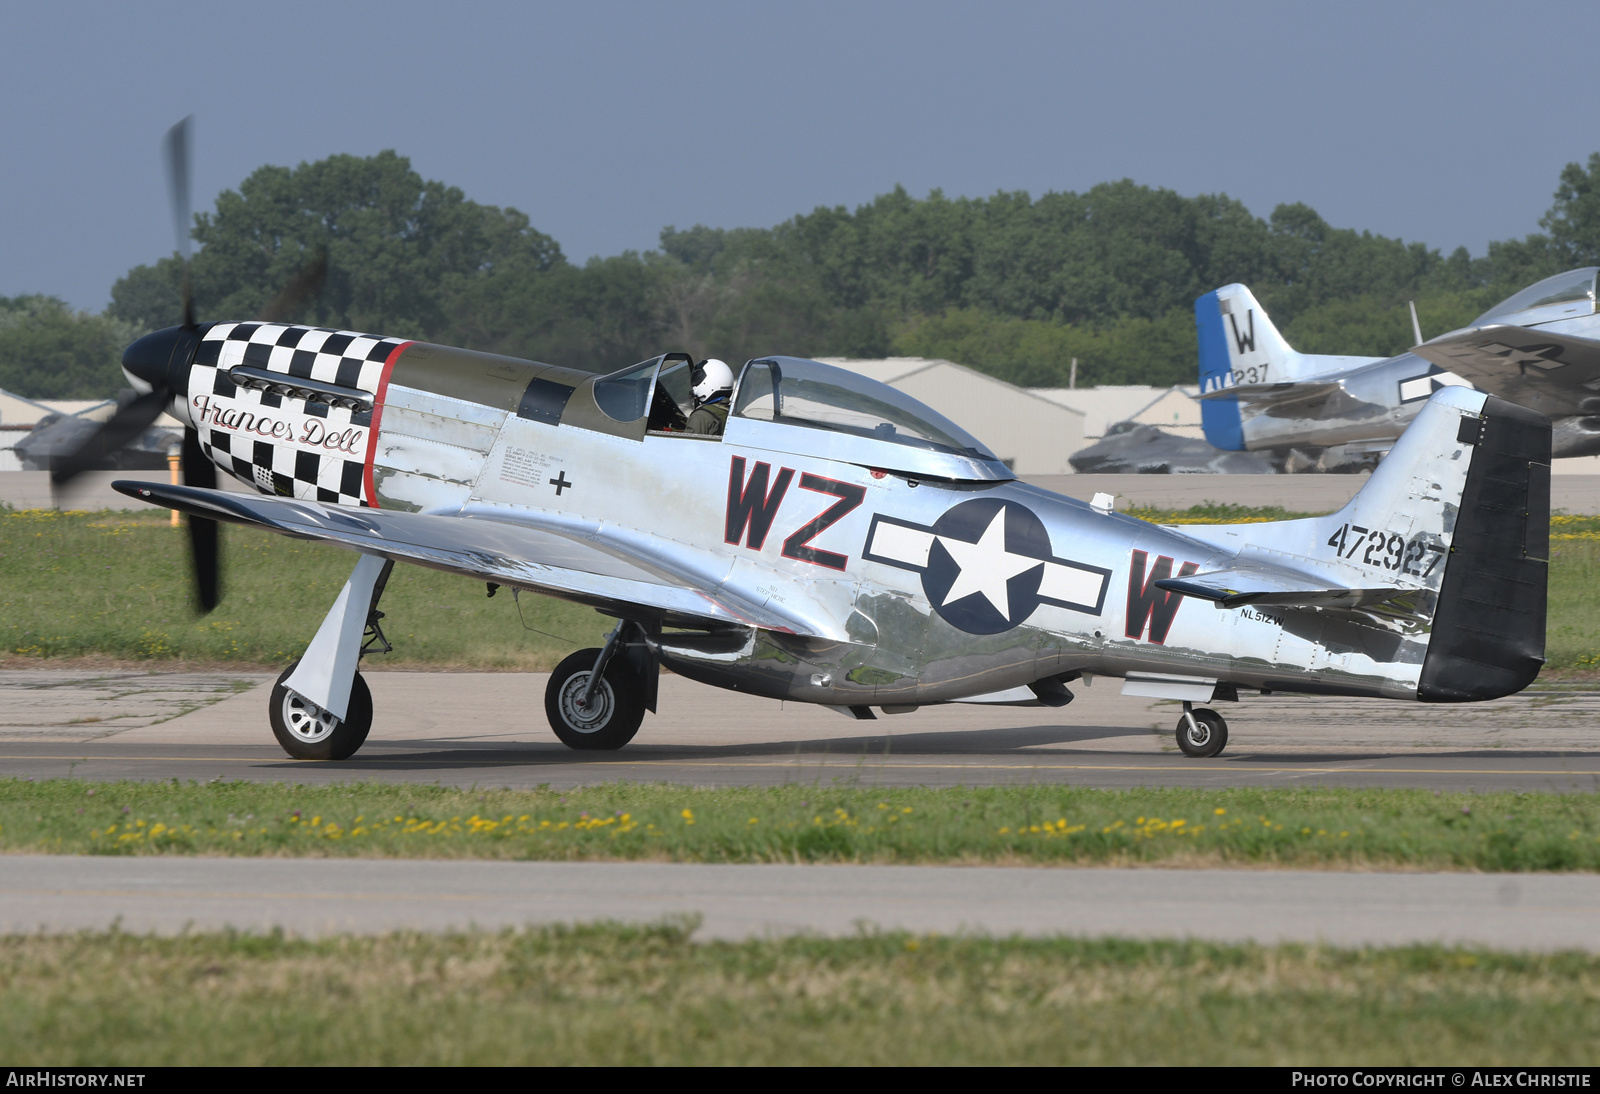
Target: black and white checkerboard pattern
x,y
313,353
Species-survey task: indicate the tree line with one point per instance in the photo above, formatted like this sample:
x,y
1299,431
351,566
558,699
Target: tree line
x,y
1014,285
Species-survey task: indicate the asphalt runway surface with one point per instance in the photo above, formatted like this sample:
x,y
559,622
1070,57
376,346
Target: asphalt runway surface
x,y
313,897
488,729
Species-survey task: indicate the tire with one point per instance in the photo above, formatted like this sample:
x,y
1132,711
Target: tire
x,y
613,715
307,732
1212,738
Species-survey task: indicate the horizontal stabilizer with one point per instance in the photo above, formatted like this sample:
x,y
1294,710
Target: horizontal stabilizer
x,y
1256,583
1272,394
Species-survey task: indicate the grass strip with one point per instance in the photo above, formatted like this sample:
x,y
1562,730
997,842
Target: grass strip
x,y
1301,827
1212,512
611,994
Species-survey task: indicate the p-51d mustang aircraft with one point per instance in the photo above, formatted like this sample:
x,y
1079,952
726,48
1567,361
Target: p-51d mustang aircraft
x,y
839,543
1539,348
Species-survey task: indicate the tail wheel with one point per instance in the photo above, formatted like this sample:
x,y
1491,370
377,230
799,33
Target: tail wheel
x,y
611,716
1207,737
307,732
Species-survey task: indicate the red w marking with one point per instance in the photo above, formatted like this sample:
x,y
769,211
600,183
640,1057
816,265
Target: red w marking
x,y
751,505
1148,604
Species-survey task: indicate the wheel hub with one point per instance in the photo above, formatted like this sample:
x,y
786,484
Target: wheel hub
x,y
305,721
586,718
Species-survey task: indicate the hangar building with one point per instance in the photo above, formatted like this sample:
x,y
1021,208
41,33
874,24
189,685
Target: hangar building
x,y
1171,409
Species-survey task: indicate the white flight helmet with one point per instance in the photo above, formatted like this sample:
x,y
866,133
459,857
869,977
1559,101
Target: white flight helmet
x,y
711,377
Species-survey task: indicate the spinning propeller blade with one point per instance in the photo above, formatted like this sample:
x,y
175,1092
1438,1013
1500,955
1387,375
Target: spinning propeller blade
x,y
158,364
127,423
204,548
302,288
177,149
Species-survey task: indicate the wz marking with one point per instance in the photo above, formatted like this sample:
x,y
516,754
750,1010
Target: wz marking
x,y
797,546
753,506
1149,605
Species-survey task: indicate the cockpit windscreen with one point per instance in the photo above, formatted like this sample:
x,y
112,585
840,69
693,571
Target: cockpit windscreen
x,y
1574,288
795,391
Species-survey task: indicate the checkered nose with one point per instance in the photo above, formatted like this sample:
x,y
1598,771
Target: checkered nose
x,y
160,361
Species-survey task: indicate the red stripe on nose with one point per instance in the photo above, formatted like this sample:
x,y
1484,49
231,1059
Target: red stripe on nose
x,y
377,416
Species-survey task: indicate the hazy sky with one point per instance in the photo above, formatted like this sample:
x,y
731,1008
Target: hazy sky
x,y
1441,122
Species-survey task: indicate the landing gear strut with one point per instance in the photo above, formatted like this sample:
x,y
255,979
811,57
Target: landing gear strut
x,y
596,698
1201,732
320,707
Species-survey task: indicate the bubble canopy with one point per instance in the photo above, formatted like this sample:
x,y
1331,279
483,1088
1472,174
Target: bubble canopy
x,y
847,416
1566,295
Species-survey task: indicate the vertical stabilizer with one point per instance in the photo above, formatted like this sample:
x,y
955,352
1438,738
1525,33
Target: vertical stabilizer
x,y
1239,347
1430,583
1245,346
1477,468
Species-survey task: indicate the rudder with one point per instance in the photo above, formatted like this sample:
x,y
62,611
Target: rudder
x,y
1489,627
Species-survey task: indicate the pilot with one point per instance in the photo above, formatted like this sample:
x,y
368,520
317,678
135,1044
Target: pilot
x,y
713,386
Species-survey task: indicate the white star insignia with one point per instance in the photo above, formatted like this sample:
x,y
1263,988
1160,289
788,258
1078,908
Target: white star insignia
x,y
986,566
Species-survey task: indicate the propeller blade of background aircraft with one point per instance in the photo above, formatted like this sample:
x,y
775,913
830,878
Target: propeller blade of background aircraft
x,y
204,551
127,423
302,288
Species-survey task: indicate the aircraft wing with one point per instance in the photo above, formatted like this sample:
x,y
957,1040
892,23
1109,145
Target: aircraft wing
x,y
1555,374
580,562
1258,583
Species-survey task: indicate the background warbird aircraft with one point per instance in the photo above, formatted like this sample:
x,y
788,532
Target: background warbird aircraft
x,y
839,544
1539,348
1129,449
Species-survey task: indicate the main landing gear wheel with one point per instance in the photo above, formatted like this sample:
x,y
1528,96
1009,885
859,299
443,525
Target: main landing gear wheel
x,y
307,732
1207,737
613,713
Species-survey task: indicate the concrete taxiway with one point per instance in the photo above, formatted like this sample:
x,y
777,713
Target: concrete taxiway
x,y
313,897
488,729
